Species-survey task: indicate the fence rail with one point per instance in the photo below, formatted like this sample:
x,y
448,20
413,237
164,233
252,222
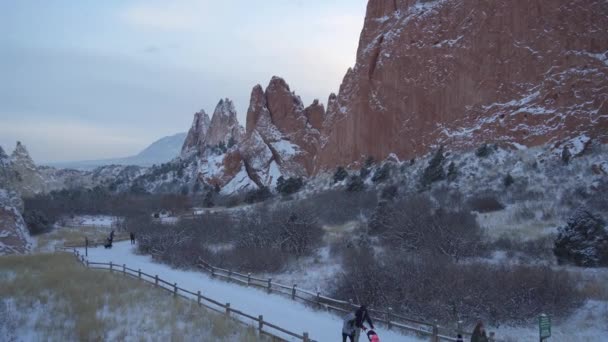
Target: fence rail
x,y
387,317
263,327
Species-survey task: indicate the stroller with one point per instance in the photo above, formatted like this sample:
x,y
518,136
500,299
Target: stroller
x,y
108,243
372,336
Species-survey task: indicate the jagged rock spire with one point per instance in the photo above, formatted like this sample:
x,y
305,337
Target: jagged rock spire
x,y
197,135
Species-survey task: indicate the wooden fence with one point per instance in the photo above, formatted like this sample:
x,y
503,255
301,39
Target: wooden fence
x,y
388,317
263,327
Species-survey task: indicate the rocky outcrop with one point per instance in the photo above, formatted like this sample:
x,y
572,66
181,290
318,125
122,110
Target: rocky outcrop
x,y
461,73
14,237
196,140
224,127
289,131
20,173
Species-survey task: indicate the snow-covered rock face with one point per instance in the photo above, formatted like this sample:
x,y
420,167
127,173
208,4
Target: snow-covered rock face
x,y
4,159
14,237
290,131
197,135
224,127
465,72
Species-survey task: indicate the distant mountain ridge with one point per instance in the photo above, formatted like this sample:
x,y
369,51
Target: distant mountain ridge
x,y
161,151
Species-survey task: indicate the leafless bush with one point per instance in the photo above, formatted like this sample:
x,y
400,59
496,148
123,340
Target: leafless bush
x,y
485,203
413,224
263,240
438,288
336,207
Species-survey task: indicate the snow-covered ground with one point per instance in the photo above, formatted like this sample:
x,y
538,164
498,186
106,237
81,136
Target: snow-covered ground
x,y
278,310
93,221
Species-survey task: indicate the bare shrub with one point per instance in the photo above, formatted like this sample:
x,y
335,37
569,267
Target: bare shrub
x,y
485,203
263,240
413,224
337,207
440,289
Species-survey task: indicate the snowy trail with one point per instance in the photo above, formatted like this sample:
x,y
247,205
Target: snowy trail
x,y
277,310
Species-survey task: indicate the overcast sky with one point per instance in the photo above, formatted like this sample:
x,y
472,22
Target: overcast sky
x,y
92,79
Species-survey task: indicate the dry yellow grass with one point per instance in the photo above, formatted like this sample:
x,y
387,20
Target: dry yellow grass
x,y
55,298
73,235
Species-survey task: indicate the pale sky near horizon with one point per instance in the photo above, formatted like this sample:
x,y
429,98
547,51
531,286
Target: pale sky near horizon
x,y
101,79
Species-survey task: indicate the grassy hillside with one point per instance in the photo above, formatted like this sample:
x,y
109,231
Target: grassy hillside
x,y
52,297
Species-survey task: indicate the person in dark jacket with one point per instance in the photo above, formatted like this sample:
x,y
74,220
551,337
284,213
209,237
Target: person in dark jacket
x,y
362,316
479,333
132,238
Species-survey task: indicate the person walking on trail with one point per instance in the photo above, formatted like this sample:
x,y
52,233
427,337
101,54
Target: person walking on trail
x,y
479,333
361,316
132,238
349,328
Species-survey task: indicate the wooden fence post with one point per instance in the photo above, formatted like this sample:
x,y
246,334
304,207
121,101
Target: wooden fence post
x,y
124,269
156,280
248,279
229,275
139,273
459,328
212,271
111,266
174,289
198,297
305,337
388,317
269,285
293,292
319,299
228,309
435,337
260,323
87,263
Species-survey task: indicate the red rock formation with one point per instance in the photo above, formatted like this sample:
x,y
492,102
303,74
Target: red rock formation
x,y
279,118
224,126
464,72
196,141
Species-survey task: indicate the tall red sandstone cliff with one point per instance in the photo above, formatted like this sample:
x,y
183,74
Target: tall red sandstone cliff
x,y
282,136
462,72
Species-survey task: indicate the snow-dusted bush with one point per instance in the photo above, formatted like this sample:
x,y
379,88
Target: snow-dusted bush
x,y
258,195
485,203
334,207
415,224
434,171
290,185
36,222
340,174
382,174
485,150
355,183
262,240
437,288
583,241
